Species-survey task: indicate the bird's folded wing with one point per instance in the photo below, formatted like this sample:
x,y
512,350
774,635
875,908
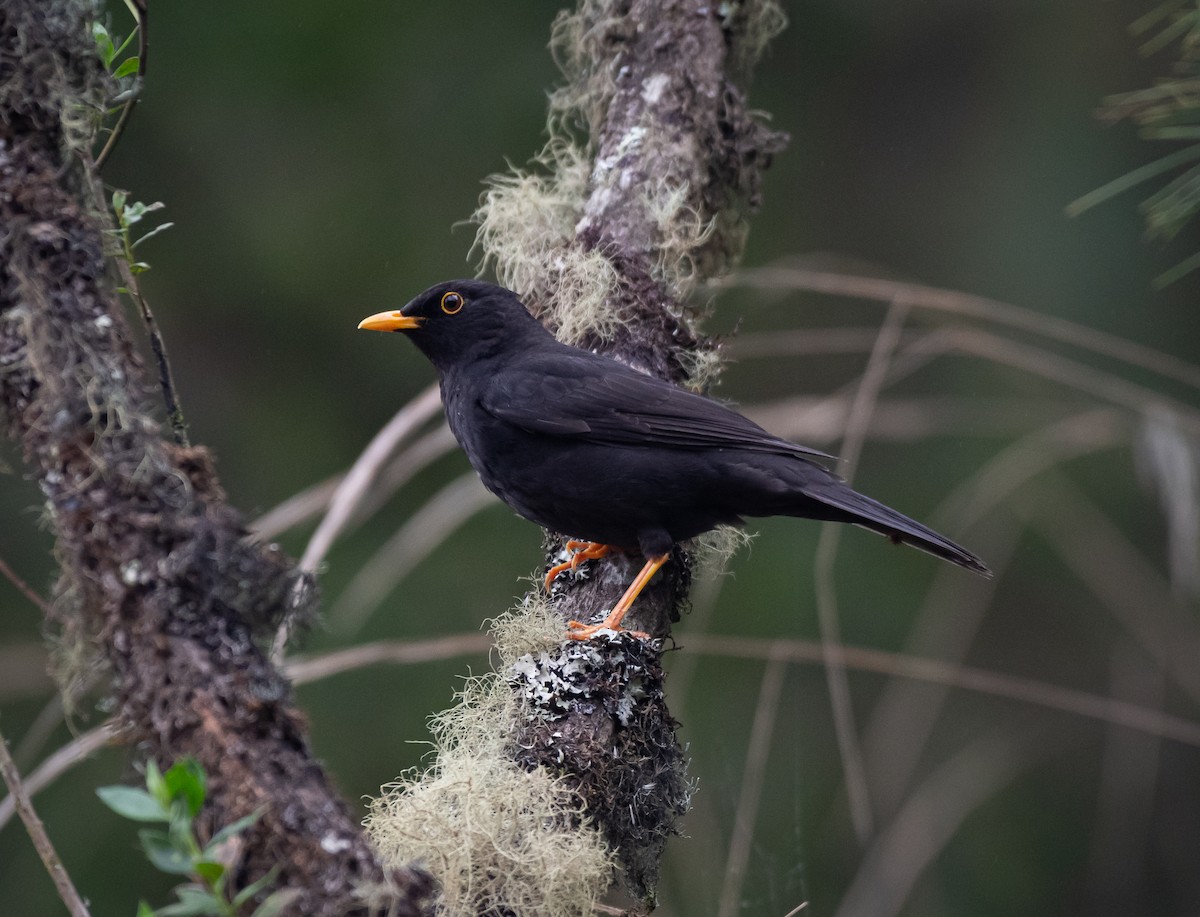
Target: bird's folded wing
x,y
602,401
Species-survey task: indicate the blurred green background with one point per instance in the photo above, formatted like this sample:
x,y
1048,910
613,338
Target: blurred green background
x,y
318,160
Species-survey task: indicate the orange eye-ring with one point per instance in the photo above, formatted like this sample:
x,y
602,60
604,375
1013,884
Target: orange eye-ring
x,y
452,303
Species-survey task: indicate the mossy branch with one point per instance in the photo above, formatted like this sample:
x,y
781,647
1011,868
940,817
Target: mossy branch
x,y
160,590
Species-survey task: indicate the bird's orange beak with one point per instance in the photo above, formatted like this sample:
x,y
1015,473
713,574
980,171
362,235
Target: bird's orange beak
x,y
389,321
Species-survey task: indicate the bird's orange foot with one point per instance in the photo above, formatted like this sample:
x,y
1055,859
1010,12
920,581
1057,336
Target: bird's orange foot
x,y
579,551
577,630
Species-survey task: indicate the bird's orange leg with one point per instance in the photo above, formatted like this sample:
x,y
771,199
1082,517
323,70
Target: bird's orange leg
x,y
580,551
578,631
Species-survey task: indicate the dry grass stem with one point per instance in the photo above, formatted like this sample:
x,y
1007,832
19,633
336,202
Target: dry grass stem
x,y
753,774
882,289
1119,575
1129,783
906,711
420,535
967,678
905,848
25,589
304,670
857,423
365,470
313,500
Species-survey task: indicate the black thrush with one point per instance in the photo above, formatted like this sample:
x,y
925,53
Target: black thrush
x,y
589,447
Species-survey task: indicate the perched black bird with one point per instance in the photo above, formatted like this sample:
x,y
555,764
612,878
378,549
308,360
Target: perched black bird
x,y
586,446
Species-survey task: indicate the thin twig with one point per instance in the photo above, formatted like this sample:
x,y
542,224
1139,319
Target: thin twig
x,y
140,14
967,678
1020,462
313,500
166,379
364,472
1048,365
351,492
26,590
158,346
37,833
303,671
820,420
296,509
804,652
427,528
62,760
950,615
886,290
906,711
929,818
800,342
857,423
1128,787
39,731
753,774
1107,563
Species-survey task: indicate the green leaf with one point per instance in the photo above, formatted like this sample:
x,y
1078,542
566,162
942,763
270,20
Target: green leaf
x,y
128,66
277,902
1182,269
179,830
193,902
118,204
233,830
1131,179
125,44
154,232
164,854
131,802
209,870
145,910
154,781
104,43
255,887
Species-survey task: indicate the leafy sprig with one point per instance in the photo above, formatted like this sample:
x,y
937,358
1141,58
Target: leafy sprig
x,y
1168,111
174,799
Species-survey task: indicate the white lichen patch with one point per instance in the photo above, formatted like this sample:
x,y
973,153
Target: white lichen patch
x,y
653,86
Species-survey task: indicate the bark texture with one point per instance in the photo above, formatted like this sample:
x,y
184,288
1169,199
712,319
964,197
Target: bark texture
x,y
159,582
675,164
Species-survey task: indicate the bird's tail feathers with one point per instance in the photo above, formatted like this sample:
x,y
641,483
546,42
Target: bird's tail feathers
x,y
846,505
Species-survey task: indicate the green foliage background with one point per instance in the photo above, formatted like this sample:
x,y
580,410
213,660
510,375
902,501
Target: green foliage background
x,y
316,158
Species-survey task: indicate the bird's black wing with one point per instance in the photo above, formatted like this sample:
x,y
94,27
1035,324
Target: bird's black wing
x,y
576,394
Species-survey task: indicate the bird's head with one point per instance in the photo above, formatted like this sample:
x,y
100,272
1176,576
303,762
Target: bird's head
x,y
459,321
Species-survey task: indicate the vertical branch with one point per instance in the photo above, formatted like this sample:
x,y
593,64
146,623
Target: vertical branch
x,y
605,240
160,591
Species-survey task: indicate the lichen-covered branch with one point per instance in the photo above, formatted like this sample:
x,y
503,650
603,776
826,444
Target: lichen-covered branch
x,y
642,191
675,162
160,592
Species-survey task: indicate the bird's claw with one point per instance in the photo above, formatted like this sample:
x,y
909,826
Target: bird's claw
x,y
579,551
577,630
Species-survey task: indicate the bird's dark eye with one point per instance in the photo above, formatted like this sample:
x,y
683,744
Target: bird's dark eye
x,y
452,302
